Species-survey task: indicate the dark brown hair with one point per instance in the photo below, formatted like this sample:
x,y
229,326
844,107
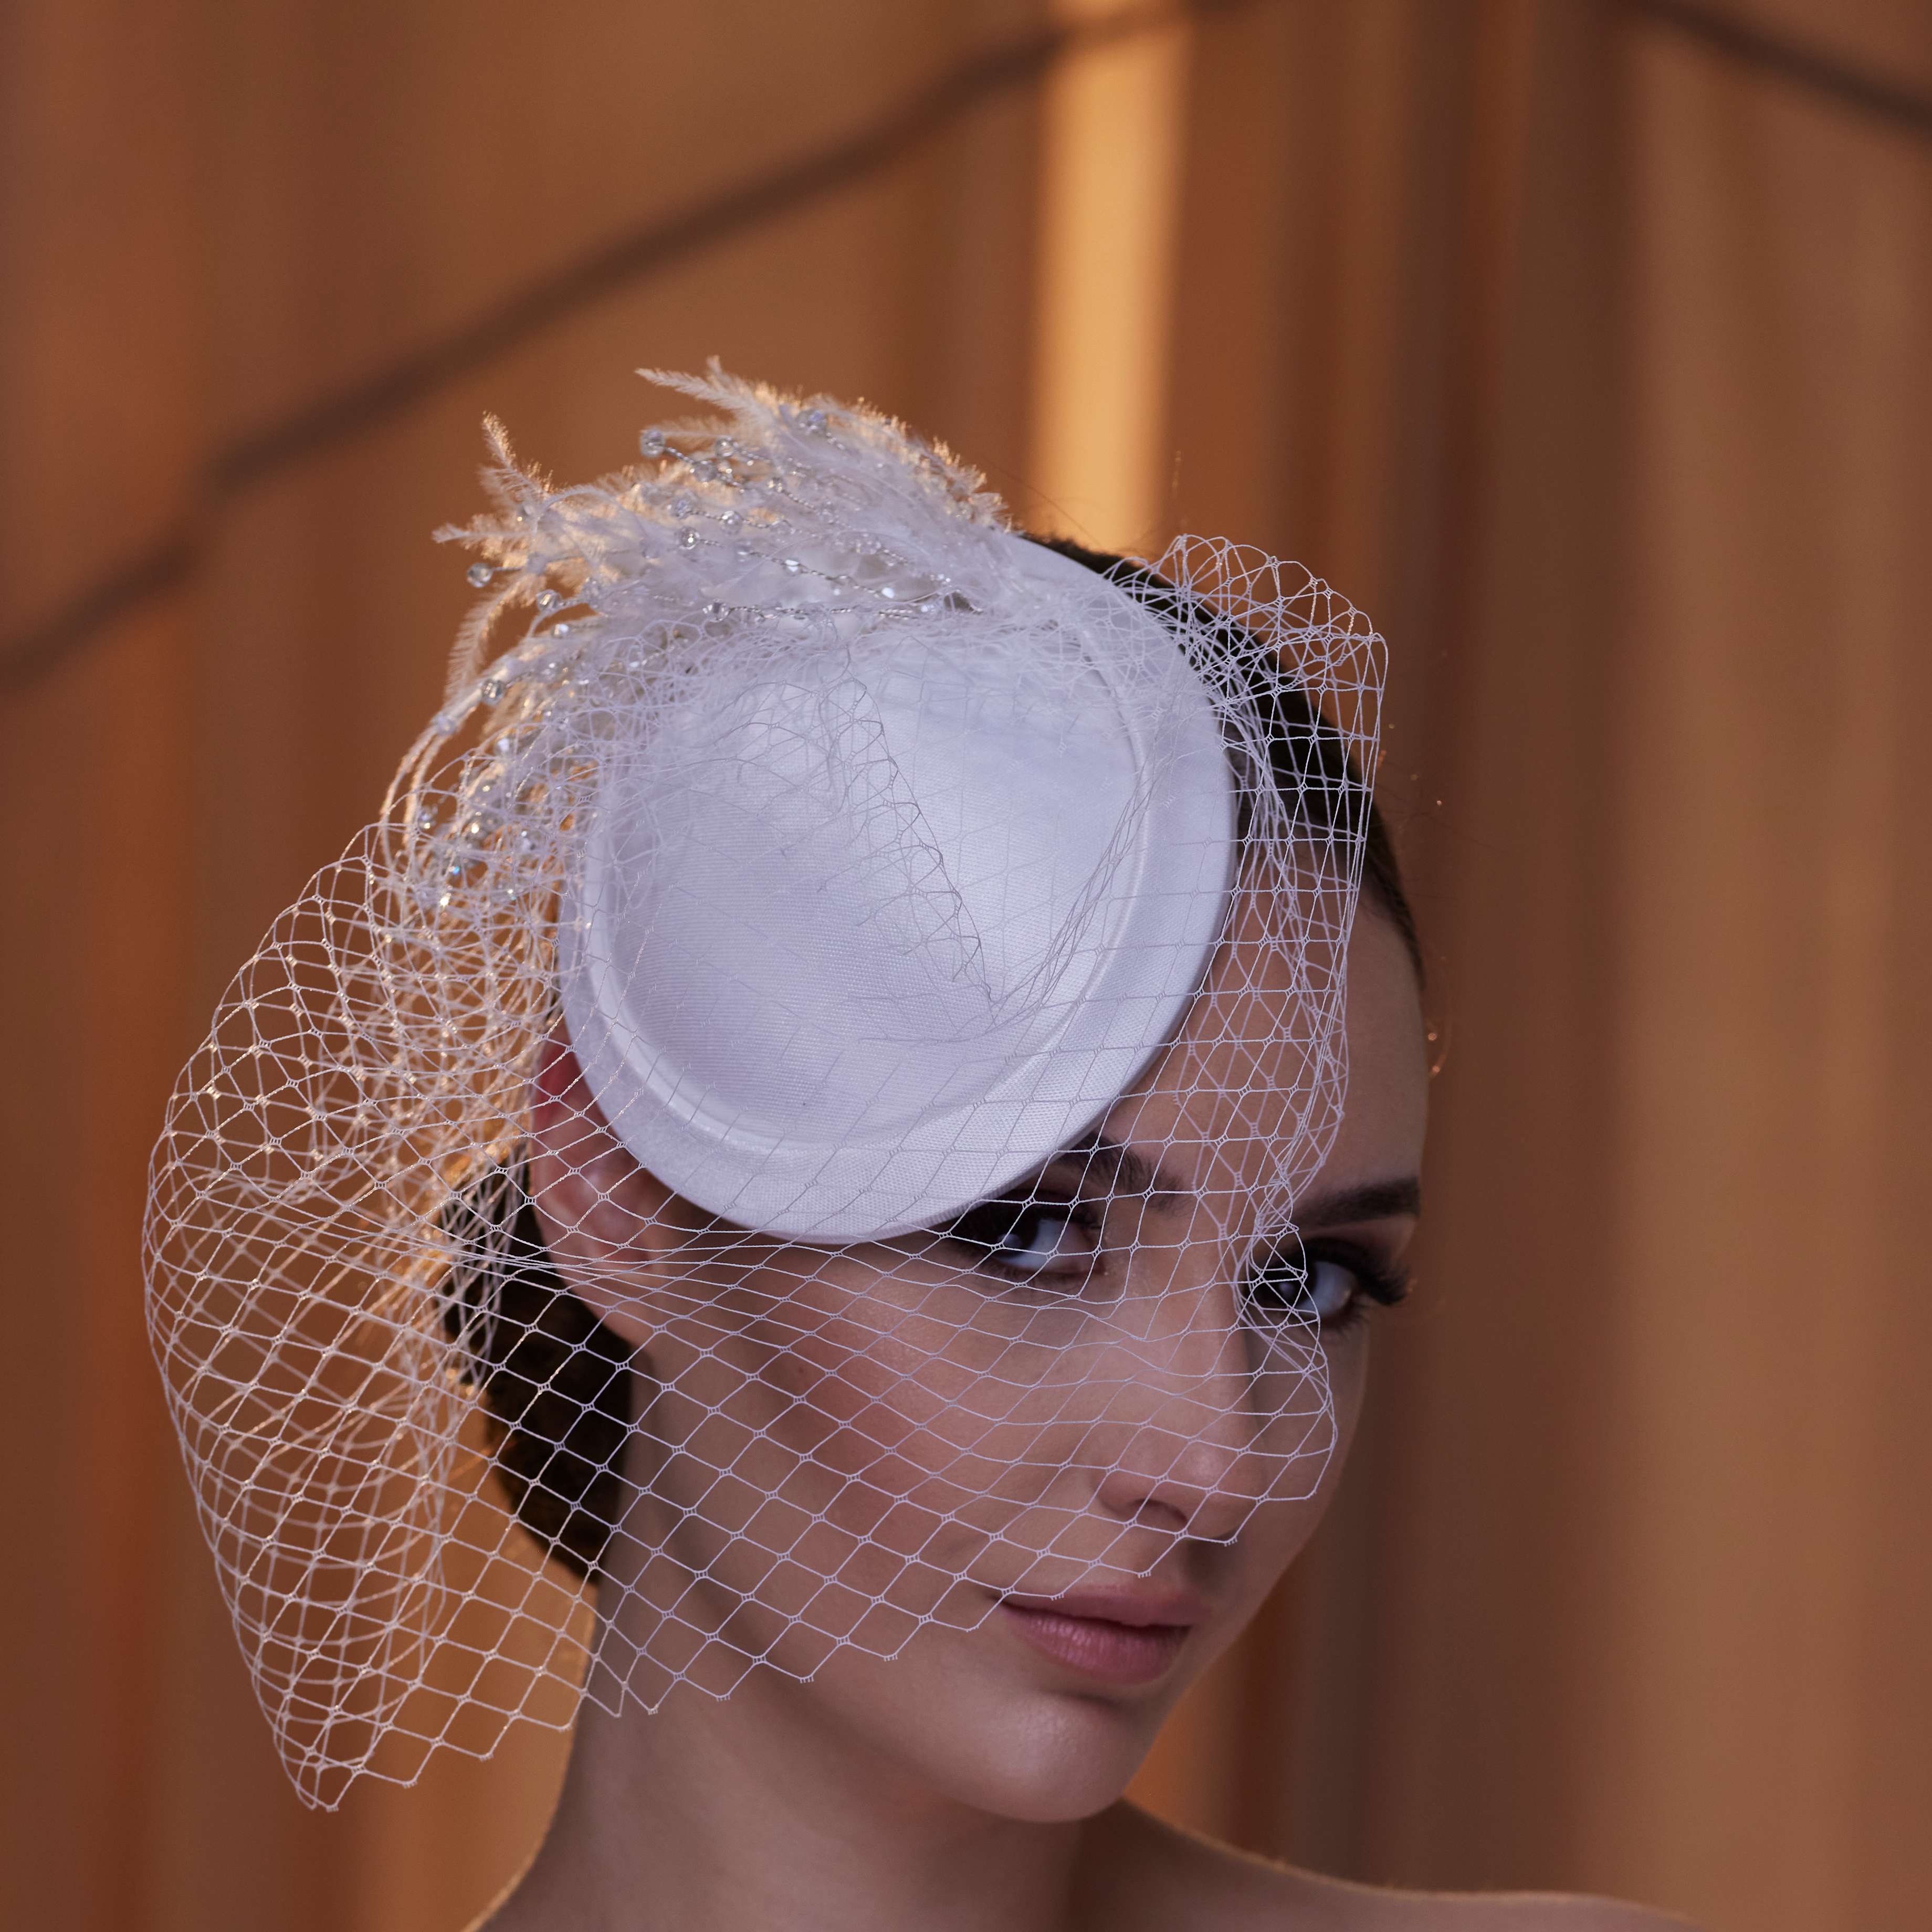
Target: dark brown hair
x,y
1311,769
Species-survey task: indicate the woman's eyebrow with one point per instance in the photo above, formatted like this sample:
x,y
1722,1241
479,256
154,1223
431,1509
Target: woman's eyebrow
x,y
1121,1169
1376,1201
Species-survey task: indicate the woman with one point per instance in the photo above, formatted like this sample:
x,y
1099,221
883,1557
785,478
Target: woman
x,y
839,1042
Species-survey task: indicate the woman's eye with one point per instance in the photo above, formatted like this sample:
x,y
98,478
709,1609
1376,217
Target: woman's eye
x,y
1038,1240
1303,1285
1332,1290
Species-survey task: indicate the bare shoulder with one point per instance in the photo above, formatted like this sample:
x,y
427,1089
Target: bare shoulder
x,y
1155,1875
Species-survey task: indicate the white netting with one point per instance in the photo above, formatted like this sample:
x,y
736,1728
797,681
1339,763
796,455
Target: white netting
x,y
950,937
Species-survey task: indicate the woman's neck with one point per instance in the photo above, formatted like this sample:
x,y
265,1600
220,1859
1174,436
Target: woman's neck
x,y
754,1813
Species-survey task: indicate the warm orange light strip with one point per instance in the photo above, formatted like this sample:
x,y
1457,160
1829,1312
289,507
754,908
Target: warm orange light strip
x,y
1111,189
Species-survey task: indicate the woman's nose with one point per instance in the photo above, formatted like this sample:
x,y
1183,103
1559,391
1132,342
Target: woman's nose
x,y
1188,1483
1194,1460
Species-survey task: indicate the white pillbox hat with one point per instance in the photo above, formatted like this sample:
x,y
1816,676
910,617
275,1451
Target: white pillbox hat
x,y
869,934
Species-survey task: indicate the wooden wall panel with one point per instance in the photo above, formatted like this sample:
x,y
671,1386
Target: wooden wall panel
x,y
1622,337
213,218
1585,353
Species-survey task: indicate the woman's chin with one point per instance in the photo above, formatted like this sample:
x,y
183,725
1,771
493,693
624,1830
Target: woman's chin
x,y
976,1731
1056,1765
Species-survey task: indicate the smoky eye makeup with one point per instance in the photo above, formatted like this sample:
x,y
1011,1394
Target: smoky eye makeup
x,y
1037,1234
1327,1281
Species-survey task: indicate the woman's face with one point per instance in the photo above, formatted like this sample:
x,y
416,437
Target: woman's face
x,y
992,1497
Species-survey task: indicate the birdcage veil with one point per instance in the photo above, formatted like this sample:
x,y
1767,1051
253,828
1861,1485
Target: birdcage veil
x,y
657,1140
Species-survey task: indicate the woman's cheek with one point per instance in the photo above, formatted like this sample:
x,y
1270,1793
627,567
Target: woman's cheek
x,y
1347,1354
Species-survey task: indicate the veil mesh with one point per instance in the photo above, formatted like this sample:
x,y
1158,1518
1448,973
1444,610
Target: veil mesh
x,y
806,1082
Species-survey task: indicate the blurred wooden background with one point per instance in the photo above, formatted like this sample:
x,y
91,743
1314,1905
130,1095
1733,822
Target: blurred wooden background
x,y
1584,344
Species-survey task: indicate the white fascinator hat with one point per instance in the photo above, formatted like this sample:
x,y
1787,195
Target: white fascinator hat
x,y
865,853
868,930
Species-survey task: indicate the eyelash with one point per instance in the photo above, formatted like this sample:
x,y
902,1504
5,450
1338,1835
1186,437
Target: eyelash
x,y
999,1221
994,1225
1376,1283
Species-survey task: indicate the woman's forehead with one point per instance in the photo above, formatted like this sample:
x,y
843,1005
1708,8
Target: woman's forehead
x,y
1285,1065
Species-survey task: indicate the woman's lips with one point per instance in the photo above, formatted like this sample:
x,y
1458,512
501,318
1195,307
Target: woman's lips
x,y
1121,1639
